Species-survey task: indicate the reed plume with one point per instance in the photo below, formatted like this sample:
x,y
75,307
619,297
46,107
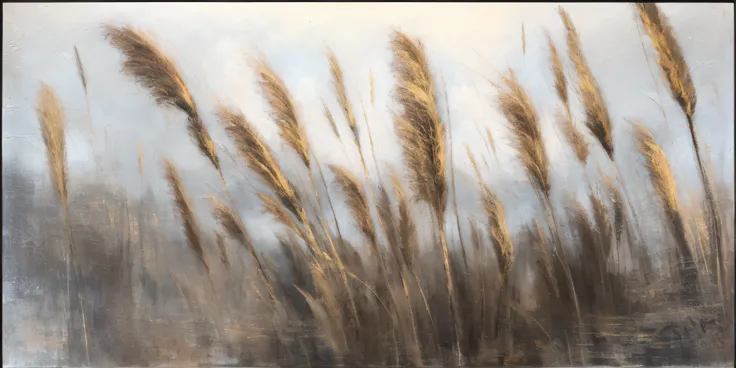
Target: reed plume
x,y
338,83
80,69
498,231
406,227
357,202
422,137
152,69
669,57
665,188
388,224
597,120
260,159
602,224
331,120
50,114
517,107
419,127
558,72
183,205
574,137
283,111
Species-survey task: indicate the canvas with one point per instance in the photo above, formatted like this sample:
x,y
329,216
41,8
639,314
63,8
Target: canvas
x,y
367,184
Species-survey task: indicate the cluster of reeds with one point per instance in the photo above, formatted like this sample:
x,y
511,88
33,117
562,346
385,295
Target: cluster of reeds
x,y
400,301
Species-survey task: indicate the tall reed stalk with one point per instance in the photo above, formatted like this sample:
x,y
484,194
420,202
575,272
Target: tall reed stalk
x,y
422,136
50,114
677,74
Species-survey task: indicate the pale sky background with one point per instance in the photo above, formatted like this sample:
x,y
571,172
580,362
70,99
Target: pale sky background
x,y
211,44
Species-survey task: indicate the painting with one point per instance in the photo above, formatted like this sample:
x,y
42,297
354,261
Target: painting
x,y
367,184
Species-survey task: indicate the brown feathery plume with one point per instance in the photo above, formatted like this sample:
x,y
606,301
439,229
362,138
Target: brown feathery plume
x,y
574,138
675,69
338,84
50,114
140,157
419,127
80,69
498,231
357,202
183,205
659,169
665,187
497,228
253,149
474,164
517,106
331,120
602,224
383,206
618,209
523,39
283,111
597,120
669,57
502,246
558,72
406,228
272,207
154,71
234,227
222,249
422,137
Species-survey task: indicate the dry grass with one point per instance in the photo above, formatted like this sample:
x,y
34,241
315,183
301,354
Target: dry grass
x,y
184,206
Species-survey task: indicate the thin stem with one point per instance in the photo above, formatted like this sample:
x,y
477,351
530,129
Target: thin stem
x,y
552,222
